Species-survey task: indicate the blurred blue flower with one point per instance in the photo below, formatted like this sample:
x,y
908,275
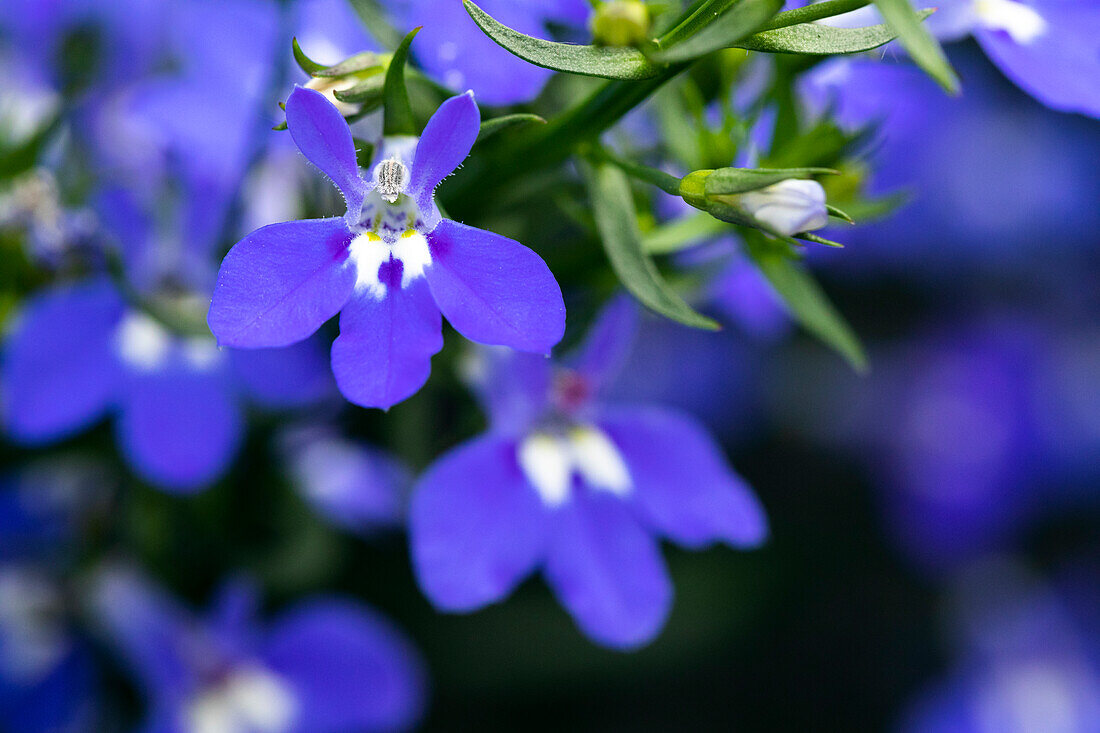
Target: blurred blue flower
x,y
389,266
326,665
78,352
580,488
458,54
1026,661
1049,48
352,485
48,677
973,208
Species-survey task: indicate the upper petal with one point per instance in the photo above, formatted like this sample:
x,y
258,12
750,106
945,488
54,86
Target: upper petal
x,y
280,283
607,346
494,290
608,571
179,429
320,132
1060,67
384,352
476,528
682,483
349,667
446,142
59,371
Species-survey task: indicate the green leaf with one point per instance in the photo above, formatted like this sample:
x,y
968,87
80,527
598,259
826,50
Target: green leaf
x,y
23,157
499,124
682,233
369,90
925,50
814,11
726,181
357,64
398,116
811,237
834,211
617,222
806,300
601,61
816,39
733,25
374,18
306,64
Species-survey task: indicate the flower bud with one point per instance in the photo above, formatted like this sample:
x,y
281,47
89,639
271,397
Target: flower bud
x,y
621,23
786,208
329,86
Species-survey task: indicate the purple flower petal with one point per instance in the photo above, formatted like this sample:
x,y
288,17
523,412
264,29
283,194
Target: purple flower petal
x,y
350,668
446,142
476,528
384,352
493,290
608,571
59,371
513,387
320,132
146,627
607,346
280,283
179,429
352,485
1061,67
293,376
682,483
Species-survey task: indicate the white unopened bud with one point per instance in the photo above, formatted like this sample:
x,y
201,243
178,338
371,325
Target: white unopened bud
x,y
787,207
328,86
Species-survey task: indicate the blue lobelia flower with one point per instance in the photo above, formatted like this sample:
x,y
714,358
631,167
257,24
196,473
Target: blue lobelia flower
x,y
1049,48
457,53
389,266
79,352
576,487
327,665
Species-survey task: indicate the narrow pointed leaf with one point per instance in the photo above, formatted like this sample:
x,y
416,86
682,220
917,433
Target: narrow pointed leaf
x,y
815,39
806,301
834,211
811,237
369,90
357,64
682,233
739,21
617,222
498,124
925,50
601,61
398,117
374,18
305,63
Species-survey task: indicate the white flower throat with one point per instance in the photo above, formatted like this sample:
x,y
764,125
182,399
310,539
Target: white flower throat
x,y
551,461
250,700
1019,20
390,249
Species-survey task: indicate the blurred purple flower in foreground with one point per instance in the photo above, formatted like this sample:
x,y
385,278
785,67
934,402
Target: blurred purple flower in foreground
x,y
389,266
576,487
327,665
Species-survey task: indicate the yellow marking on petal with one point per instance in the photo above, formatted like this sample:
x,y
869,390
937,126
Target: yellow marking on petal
x,y
372,237
409,233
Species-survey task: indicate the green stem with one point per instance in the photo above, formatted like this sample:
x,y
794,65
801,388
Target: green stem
x,y
810,13
664,181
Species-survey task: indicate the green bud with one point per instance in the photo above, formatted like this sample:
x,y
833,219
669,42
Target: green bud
x,y
621,23
693,189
